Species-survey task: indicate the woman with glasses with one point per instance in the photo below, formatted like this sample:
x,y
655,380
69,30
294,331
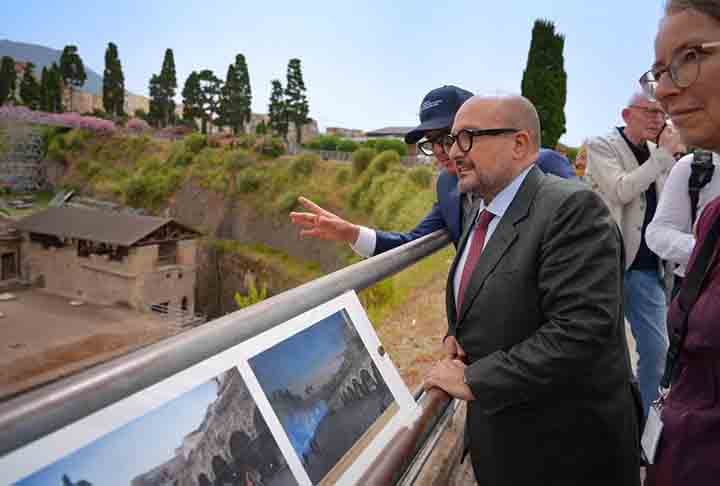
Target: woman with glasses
x,y
685,79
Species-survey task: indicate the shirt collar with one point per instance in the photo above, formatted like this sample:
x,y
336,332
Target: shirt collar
x,y
502,201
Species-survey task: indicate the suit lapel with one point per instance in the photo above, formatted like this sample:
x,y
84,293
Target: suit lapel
x,y
502,239
455,210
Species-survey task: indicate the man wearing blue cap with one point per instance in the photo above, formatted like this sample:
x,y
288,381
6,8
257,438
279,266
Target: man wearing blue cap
x,y
450,212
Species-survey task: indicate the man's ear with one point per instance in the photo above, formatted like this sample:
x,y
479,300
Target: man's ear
x,y
522,144
626,115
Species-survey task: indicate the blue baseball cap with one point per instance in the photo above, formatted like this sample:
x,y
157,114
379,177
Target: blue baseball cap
x,y
437,111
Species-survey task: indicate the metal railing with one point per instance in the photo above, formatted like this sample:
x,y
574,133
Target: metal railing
x,y
41,412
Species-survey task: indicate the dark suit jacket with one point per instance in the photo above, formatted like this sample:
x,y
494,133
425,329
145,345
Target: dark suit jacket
x,y
447,212
542,324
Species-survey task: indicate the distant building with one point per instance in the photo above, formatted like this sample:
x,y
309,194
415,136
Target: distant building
x,y
111,258
353,133
394,132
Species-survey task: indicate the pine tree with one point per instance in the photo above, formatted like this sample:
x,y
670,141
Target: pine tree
x,y
236,96
211,89
29,88
191,93
545,81
295,99
113,83
277,111
8,80
72,70
168,88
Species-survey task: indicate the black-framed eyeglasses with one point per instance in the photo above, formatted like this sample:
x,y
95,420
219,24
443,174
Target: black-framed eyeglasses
x,y
426,145
464,138
684,68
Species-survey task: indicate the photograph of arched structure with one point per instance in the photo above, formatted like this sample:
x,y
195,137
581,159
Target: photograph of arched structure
x,y
212,435
326,391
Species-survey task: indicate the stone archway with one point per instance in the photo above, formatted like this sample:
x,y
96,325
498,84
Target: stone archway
x,y
367,381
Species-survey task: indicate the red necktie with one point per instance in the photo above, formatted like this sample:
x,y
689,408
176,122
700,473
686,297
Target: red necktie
x,y
474,252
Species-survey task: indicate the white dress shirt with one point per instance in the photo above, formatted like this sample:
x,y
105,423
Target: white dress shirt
x,y
497,206
670,234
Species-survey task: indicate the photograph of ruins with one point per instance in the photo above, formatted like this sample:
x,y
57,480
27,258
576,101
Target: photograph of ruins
x,y
211,435
326,391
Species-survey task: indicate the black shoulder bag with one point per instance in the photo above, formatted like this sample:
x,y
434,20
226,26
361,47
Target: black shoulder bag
x,y
701,172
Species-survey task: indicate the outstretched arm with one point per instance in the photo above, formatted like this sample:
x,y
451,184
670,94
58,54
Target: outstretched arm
x,y
317,222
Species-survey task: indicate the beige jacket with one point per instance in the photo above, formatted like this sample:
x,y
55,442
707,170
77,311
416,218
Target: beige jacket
x,y
614,173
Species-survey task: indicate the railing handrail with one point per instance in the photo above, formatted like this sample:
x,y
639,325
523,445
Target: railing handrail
x,y
45,410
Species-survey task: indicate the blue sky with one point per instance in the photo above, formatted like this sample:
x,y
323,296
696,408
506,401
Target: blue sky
x,y
366,64
148,441
301,356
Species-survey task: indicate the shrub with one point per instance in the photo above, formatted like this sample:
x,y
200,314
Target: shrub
x,y
195,142
253,297
137,125
422,176
382,144
303,165
56,149
238,159
246,141
288,201
361,158
347,145
248,180
179,156
272,147
89,168
343,176
382,162
324,142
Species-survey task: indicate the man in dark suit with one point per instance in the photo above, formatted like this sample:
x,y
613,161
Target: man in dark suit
x,y
534,305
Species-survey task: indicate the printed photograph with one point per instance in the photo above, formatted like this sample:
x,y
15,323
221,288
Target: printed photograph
x,y
212,435
326,391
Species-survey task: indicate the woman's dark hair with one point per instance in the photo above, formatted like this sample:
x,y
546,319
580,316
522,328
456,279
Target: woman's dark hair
x,y
711,8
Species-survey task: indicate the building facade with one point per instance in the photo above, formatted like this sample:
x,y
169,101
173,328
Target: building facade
x,y
111,258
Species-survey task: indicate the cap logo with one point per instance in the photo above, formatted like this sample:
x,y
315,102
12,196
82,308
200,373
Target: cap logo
x,y
430,104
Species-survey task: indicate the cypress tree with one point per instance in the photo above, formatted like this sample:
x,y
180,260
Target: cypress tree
x,y
44,101
191,94
72,70
155,115
295,99
277,110
545,81
29,88
55,89
168,88
113,83
236,96
8,80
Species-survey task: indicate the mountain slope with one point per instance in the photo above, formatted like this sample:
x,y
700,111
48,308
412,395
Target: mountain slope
x,y
43,56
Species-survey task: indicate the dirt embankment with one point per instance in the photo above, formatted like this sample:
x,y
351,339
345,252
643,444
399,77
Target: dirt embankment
x,y
222,273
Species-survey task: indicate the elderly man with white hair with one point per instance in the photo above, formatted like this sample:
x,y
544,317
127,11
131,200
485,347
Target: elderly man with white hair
x,y
628,168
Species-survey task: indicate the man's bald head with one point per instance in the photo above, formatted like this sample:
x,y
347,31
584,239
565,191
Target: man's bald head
x,y
508,111
488,161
